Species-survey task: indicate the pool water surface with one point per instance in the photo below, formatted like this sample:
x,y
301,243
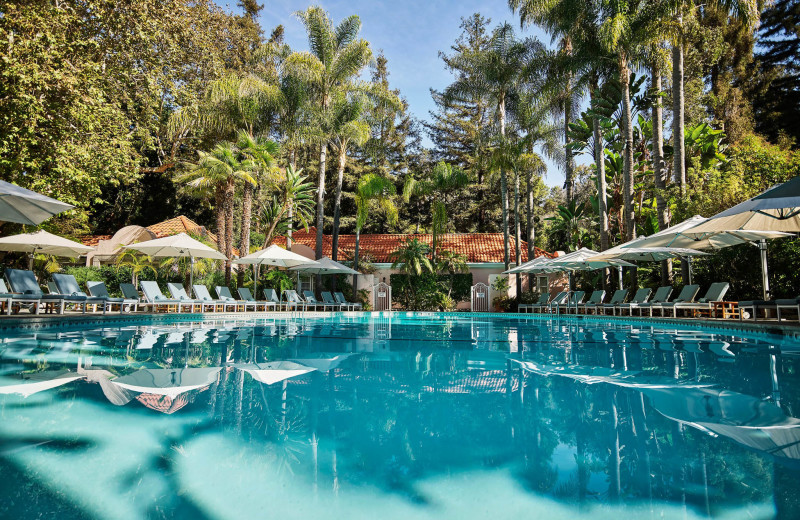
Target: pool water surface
x,y
400,416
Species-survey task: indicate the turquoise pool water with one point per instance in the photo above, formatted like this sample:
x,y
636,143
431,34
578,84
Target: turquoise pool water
x,y
404,416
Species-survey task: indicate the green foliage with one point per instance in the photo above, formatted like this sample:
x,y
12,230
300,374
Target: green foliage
x,y
111,276
275,279
430,291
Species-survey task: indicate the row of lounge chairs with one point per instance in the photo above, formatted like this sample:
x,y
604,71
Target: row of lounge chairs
x,y
573,301
65,294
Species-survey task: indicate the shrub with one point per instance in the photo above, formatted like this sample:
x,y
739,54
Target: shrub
x,y
430,291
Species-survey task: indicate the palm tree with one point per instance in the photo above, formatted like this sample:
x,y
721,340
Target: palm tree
x,y
138,264
348,128
336,58
373,191
218,171
260,153
496,76
444,179
295,199
411,259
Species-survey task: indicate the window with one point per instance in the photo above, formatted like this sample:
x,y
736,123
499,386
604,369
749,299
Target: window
x,y
542,285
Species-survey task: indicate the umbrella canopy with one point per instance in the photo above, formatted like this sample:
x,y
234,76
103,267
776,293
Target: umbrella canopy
x,y
43,242
777,209
168,381
29,384
27,207
688,234
584,260
275,371
325,362
646,254
531,266
274,255
324,266
180,245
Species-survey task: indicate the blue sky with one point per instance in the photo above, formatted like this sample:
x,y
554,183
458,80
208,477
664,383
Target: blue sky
x,y
410,33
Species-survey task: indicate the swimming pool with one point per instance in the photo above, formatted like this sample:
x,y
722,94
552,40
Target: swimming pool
x,y
398,416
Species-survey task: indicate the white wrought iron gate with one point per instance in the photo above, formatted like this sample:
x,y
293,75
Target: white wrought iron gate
x,y
382,297
479,299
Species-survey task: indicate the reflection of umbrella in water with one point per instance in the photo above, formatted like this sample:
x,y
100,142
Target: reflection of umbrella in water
x,y
163,403
757,424
323,363
31,383
274,371
168,381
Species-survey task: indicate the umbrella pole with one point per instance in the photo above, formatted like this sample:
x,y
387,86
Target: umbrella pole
x,y
689,265
191,275
619,271
255,282
30,262
762,247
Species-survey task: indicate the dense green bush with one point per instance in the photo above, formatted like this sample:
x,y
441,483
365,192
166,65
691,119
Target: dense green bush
x,y
111,275
430,291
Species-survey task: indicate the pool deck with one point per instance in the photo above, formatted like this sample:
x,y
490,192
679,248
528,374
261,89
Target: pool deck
x,y
27,322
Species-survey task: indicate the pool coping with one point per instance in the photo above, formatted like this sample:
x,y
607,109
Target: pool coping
x,y
56,321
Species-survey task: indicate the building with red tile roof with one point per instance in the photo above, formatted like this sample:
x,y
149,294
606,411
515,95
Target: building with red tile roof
x,y
478,248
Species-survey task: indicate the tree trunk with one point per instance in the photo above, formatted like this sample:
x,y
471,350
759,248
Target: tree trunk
x,y
219,202
338,201
247,213
323,153
602,189
529,202
517,233
501,108
569,164
659,169
355,262
230,193
289,219
627,174
679,154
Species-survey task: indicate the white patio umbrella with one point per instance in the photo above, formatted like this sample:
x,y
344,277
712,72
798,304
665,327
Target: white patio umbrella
x,y
582,260
43,242
29,384
168,381
529,266
273,255
177,246
323,362
646,254
27,207
274,371
324,266
692,233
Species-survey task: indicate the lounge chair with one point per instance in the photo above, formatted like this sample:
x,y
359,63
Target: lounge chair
x,y
329,301
716,292
246,295
179,293
528,307
68,285
31,295
272,296
541,307
595,301
687,295
153,296
555,304
790,303
225,294
662,295
99,289
293,300
341,299
641,296
618,297
129,292
575,298
310,300
202,294
6,298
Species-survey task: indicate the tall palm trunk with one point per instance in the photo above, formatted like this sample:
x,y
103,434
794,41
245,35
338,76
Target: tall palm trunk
x,y
602,188
679,154
659,169
338,201
627,173
501,108
247,215
517,233
531,231
569,164
355,261
219,202
323,154
230,192
290,214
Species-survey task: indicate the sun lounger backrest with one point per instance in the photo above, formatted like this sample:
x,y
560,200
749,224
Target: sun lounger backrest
x,y
662,294
201,292
271,295
23,282
67,284
129,291
619,296
543,299
3,288
641,295
52,288
245,294
560,298
576,297
597,297
309,297
224,293
687,294
716,292
292,296
177,291
327,297
97,289
151,290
